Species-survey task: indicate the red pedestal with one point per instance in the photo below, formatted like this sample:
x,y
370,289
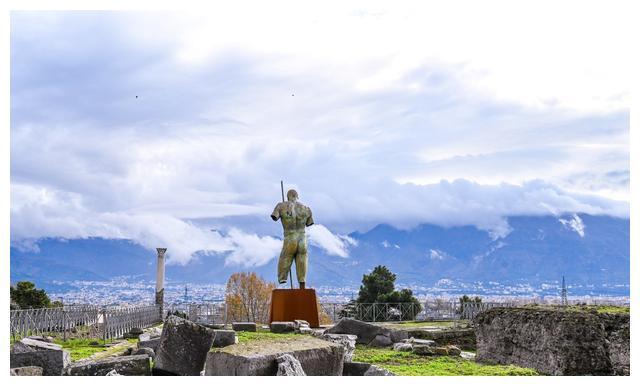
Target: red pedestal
x,y
288,305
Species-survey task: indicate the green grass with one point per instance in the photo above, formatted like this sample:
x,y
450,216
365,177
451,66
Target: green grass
x,y
586,308
608,309
264,336
407,363
80,348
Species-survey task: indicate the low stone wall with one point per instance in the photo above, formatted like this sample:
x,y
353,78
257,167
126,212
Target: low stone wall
x,y
553,341
464,338
125,365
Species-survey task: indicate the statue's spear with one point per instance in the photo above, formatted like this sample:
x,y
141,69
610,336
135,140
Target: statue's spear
x,y
282,191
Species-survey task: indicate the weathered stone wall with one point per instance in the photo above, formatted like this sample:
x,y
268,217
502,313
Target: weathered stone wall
x,y
465,338
616,327
553,341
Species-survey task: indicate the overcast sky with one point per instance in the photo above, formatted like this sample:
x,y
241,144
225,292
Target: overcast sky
x,y
158,127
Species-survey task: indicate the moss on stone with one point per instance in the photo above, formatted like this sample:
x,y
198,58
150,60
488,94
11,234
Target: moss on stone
x,y
269,343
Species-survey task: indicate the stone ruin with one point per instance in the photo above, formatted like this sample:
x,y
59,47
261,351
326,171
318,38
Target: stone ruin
x,y
554,341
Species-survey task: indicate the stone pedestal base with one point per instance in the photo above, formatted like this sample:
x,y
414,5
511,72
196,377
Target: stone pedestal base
x,y
288,305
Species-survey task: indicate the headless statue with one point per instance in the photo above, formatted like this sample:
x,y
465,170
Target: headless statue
x,y
294,217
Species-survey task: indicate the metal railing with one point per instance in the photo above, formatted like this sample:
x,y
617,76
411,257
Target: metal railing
x,y
108,322
212,313
114,322
372,312
430,310
51,320
117,321
471,309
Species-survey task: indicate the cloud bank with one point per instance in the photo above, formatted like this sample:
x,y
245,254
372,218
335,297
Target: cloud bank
x,y
148,125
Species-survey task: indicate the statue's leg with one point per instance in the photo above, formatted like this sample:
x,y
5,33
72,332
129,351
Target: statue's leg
x,y
301,260
286,258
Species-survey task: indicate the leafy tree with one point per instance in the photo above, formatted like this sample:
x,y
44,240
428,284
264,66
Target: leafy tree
x,y
467,299
379,287
380,281
57,303
26,295
248,297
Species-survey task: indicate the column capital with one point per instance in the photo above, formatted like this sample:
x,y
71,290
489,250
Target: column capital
x,y
161,251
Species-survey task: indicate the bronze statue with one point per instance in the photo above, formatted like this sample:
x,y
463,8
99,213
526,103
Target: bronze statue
x,y
294,217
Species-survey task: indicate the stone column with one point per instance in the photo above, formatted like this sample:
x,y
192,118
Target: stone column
x,y
160,278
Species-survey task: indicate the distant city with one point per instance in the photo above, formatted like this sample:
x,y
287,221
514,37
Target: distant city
x,y
124,291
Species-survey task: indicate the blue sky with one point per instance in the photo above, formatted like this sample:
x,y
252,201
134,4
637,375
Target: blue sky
x,y
376,115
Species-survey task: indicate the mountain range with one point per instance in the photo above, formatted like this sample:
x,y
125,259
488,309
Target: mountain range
x,y
590,250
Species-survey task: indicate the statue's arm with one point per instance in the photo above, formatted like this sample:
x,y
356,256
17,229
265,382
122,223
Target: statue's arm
x,y
310,219
276,213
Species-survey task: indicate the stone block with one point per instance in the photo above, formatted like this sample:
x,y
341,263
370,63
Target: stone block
x,y
49,339
366,332
316,356
423,342
183,346
19,347
244,326
289,366
124,365
441,351
52,362
398,335
282,327
215,326
402,346
552,341
359,369
465,338
306,330
224,338
468,355
381,341
424,350
345,340
40,344
154,332
454,351
26,371
144,351
152,343
377,371
355,369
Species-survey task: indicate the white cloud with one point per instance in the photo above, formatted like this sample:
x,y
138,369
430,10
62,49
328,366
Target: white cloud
x,y
322,237
436,254
252,250
388,115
